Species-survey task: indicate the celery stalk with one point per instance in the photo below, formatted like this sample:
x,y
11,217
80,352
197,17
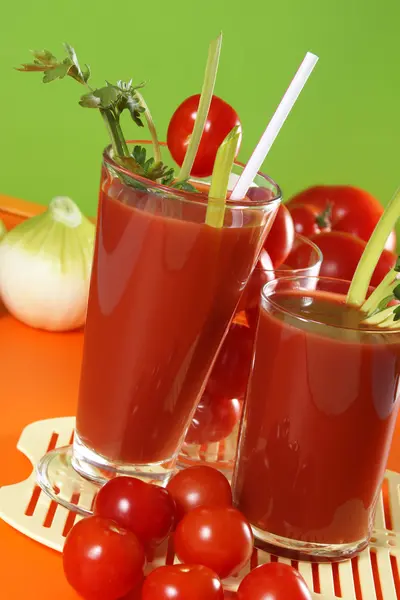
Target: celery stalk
x,y
384,289
204,106
220,178
370,257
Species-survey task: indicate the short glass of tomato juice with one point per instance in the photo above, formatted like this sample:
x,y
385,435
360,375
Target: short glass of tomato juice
x,y
318,421
164,288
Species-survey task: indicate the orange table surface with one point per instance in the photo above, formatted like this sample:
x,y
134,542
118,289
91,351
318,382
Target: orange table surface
x,y
39,376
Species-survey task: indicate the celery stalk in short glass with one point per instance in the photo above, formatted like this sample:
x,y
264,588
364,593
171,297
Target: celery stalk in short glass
x,y
370,257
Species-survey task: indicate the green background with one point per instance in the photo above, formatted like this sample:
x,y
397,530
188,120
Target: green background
x,y
344,128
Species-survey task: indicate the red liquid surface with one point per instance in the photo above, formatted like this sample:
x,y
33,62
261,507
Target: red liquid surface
x,y
318,421
163,292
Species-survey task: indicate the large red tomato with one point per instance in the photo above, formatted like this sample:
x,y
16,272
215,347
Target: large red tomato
x,y
341,254
307,219
347,208
221,119
280,239
273,581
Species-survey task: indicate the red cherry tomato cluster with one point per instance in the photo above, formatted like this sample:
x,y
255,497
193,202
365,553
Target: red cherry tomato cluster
x,y
105,554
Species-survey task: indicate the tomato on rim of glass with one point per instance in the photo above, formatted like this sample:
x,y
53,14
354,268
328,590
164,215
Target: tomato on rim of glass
x,y
199,486
102,560
280,239
341,254
219,538
182,582
350,210
221,119
273,581
143,508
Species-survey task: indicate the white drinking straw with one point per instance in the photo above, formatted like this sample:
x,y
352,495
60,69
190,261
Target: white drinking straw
x,y
273,127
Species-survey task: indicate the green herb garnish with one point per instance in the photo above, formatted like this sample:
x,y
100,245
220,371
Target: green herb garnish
x,y
112,100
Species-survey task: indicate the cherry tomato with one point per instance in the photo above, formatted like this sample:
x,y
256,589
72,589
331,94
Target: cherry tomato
x,y
214,419
353,210
259,194
341,254
263,272
230,373
218,538
273,581
220,121
280,239
183,582
200,486
102,560
145,509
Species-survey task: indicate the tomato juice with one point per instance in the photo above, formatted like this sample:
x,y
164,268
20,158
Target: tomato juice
x,y
318,421
164,288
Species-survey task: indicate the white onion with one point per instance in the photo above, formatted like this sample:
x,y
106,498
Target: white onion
x,y
45,265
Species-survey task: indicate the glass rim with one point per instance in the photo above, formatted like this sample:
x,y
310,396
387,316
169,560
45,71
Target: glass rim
x,y
198,197
266,297
299,272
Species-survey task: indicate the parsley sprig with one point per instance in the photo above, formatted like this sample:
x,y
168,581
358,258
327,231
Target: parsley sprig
x,y
111,100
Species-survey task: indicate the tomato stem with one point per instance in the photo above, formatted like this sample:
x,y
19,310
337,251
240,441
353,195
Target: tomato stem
x,y
372,252
204,106
323,220
220,178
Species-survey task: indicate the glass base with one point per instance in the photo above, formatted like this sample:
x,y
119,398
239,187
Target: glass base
x,y
59,480
219,455
309,551
72,475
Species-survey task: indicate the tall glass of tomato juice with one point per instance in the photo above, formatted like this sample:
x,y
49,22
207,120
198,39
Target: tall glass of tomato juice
x,y
318,421
164,289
